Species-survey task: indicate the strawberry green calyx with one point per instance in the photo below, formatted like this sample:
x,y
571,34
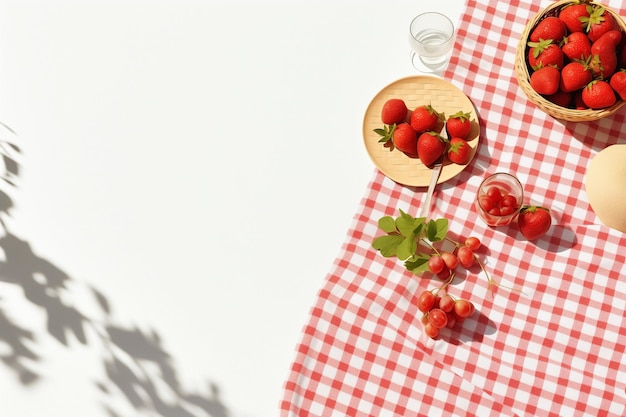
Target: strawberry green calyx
x,y
386,133
539,47
540,65
461,115
573,3
595,63
432,110
438,136
585,62
533,209
455,147
595,17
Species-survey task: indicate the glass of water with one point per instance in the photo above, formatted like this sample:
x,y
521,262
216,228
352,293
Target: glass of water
x,y
431,39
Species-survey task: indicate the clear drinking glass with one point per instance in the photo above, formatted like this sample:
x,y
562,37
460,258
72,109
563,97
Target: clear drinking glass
x,y
431,38
506,185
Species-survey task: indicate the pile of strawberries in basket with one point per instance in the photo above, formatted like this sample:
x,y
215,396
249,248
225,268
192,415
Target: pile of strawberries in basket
x,y
577,57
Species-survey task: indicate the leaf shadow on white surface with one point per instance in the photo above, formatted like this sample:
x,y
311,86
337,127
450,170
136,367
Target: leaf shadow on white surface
x,y
136,369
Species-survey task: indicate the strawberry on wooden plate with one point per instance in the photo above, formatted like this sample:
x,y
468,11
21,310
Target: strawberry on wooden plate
x,y
425,118
430,146
405,139
459,125
394,111
458,151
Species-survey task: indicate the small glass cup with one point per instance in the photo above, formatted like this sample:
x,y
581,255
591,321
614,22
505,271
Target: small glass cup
x,y
431,37
492,203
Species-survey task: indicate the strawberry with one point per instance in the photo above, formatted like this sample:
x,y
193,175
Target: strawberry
x,y
575,76
545,53
430,146
458,151
459,125
561,98
618,83
571,15
578,101
534,221
622,56
405,139
604,54
545,81
598,95
576,46
425,118
549,28
394,111
598,22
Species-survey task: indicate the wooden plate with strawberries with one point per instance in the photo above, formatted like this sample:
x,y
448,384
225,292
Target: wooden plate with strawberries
x,y
416,92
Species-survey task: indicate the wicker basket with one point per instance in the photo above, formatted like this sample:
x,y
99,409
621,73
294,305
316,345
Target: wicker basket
x,y
523,75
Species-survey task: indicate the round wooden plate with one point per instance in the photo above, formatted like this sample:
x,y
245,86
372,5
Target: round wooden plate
x,y
416,91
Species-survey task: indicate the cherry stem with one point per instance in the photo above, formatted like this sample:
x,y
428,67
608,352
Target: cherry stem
x,y
431,246
446,283
454,242
492,282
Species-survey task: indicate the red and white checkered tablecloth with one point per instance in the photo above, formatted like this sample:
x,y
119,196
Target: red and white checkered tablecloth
x,y
555,349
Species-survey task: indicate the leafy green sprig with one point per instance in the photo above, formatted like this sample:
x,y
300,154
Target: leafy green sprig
x,y
404,236
414,241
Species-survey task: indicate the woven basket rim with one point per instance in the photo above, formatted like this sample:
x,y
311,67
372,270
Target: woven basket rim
x,y
523,75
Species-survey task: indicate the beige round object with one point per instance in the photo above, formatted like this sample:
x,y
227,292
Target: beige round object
x,y
606,186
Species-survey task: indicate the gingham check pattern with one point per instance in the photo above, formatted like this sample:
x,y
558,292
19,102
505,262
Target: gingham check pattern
x,y
554,349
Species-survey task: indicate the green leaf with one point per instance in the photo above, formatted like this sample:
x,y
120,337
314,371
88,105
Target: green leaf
x,y
437,229
420,227
386,133
387,244
408,225
405,223
405,215
387,224
406,248
418,264
431,230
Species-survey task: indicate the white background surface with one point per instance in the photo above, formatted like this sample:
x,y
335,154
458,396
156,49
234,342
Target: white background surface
x,y
199,164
